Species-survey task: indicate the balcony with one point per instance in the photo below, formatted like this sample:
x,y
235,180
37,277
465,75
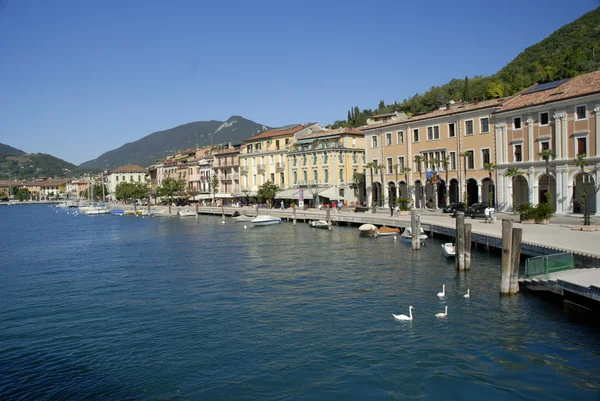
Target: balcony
x,y
279,167
260,167
228,177
244,170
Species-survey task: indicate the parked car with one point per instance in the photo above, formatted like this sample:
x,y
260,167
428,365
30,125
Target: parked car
x,y
476,210
454,207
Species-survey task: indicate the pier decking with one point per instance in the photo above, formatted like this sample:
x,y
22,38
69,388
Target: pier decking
x,y
583,282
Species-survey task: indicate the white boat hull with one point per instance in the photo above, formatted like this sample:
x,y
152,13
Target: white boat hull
x,y
407,236
265,221
319,224
186,213
448,250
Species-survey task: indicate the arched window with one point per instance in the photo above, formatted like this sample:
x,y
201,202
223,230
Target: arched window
x,y
341,192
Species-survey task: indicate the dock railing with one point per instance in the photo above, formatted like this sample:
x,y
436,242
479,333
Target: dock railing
x,y
547,264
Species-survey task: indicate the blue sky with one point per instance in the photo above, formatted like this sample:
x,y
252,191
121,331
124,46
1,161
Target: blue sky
x,y
79,78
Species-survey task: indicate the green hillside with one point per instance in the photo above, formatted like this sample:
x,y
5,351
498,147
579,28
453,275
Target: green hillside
x,y
157,145
24,166
571,50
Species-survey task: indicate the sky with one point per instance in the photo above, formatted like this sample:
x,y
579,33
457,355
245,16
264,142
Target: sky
x,y
79,78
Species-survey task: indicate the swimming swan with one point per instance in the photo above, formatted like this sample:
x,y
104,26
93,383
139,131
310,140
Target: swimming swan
x,y
443,293
404,317
468,294
442,314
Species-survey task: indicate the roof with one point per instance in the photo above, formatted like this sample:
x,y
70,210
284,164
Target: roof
x,y
581,85
226,152
338,131
130,168
485,104
276,132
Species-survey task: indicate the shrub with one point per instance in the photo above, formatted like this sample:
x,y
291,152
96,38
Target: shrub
x,y
404,204
543,211
526,210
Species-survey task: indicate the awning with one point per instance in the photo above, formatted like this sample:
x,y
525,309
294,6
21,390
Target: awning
x,y
287,194
302,141
332,193
329,137
201,196
223,195
243,195
307,194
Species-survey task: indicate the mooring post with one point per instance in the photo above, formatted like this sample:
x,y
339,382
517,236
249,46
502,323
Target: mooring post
x,y
256,208
414,229
329,227
149,210
460,241
517,237
222,211
467,246
294,215
197,210
507,231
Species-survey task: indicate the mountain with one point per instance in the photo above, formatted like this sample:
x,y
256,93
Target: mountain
x,y
157,145
24,166
569,51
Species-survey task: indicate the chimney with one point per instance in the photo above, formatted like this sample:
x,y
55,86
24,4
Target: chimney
x,y
448,106
475,100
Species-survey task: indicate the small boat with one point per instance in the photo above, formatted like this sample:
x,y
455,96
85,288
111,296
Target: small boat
x,y
243,217
117,212
367,229
407,234
265,220
449,250
95,210
388,231
142,212
319,224
186,213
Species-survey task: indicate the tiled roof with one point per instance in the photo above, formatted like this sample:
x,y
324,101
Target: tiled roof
x,y
130,168
226,152
338,131
276,132
580,85
485,104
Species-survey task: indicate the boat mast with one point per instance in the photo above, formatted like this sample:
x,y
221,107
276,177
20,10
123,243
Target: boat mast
x,y
103,187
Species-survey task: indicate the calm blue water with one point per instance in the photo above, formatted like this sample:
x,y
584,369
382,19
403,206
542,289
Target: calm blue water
x,y
108,307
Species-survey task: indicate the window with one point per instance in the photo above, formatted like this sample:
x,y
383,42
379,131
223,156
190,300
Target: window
x,y
294,159
582,146
390,165
315,175
451,131
305,175
123,179
374,141
326,176
452,161
295,177
117,177
544,145
342,175
273,178
277,144
580,112
341,157
400,137
139,178
518,157
485,157
272,159
544,118
354,158
376,164
401,162
470,160
304,160
485,125
388,138
433,133
517,123
315,158
131,177
469,127
325,158
415,135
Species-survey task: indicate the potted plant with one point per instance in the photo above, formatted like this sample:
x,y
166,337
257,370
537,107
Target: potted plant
x,y
404,206
527,212
543,212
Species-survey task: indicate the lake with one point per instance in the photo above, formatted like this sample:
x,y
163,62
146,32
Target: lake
x,y
108,307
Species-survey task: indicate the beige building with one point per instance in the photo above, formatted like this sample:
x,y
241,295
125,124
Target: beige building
x,y
129,173
226,167
323,165
263,156
431,145
561,116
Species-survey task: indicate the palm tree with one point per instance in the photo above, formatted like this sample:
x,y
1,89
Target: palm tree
x,y
513,173
465,156
396,167
435,162
406,171
490,168
546,154
582,164
445,161
418,160
371,166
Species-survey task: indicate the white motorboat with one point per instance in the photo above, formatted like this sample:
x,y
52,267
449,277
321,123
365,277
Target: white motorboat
x,y
367,229
407,234
449,250
243,217
186,213
388,231
319,224
265,220
95,210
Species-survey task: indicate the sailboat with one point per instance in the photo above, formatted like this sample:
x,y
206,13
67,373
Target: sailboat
x,y
97,209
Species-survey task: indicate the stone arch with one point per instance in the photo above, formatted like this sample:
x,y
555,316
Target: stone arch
x,y
454,191
546,185
403,190
418,194
488,186
392,193
472,191
520,190
584,183
442,196
377,187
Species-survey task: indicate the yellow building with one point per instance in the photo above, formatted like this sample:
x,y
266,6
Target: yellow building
x,y
431,145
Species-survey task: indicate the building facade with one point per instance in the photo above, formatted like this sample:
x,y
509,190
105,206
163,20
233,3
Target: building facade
x,y
129,173
226,167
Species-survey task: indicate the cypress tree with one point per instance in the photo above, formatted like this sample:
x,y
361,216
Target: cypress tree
x,y
466,90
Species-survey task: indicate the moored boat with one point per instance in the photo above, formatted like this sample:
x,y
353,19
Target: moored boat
x,y
265,220
186,213
407,234
117,212
319,224
388,231
243,217
449,250
367,229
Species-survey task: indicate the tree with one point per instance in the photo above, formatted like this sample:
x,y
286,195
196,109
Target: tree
x,y
349,117
466,94
513,173
445,161
495,90
358,181
406,171
545,155
214,185
267,191
169,187
465,156
419,159
581,162
490,168
381,105
23,194
128,191
97,192
372,166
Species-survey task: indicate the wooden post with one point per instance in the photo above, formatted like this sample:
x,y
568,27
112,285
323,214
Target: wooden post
x,y
467,246
460,241
415,231
149,210
329,227
256,208
196,210
517,236
294,215
222,211
507,227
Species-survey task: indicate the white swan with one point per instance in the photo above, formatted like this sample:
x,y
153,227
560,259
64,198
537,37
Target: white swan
x,y
404,317
245,226
442,314
443,293
468,294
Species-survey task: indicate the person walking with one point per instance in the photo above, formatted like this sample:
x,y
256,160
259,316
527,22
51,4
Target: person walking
x,y
492,215
487,214
282,205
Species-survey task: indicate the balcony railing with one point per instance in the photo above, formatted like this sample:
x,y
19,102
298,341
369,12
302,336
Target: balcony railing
x,y
228,177
260,167
244,170
279,166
